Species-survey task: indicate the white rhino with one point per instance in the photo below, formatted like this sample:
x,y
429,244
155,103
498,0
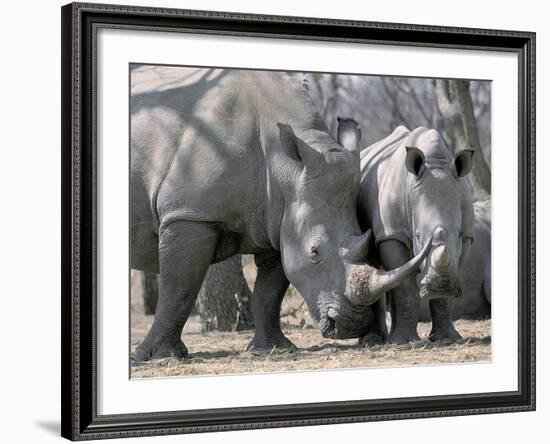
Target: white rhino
x,y
227,162
413,189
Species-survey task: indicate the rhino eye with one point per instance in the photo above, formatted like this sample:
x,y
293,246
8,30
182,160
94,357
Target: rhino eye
x,y
314,255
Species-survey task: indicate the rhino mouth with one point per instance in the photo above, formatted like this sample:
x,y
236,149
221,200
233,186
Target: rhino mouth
x,y
327,326
334,329
341,320
434,289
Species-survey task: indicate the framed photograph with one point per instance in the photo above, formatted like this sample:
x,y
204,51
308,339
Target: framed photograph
x,y
278,221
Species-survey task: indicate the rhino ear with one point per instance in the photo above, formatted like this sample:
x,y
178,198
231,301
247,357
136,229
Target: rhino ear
x,y
415,160
297,149
463,162
348,134
289,141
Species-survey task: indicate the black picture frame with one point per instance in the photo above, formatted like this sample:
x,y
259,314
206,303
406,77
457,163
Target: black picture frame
x,y
79,396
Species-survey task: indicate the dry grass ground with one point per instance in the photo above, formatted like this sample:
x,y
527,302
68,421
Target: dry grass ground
x,y
224,353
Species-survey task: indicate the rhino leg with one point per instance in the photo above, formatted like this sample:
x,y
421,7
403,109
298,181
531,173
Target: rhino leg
x,y
425,315
269,290
378,329
405,299
442,322
185,252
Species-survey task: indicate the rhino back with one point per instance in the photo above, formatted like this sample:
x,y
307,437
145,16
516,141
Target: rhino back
x,y
201,141
383,188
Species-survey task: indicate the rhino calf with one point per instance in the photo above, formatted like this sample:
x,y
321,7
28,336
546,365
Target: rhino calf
x,y
413,190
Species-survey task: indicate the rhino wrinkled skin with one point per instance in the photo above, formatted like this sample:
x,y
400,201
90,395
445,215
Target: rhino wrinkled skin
x,y
228,162
412,188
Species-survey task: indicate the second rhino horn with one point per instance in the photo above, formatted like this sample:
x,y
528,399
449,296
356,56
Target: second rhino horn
x,y
365,284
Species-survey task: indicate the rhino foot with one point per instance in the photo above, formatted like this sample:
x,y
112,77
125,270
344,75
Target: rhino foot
x,y
404,336
278,342
372,339
160,349
444,335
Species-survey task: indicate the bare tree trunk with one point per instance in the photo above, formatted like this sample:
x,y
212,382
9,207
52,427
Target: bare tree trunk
x,y
150,288
224,300
481,172
455,105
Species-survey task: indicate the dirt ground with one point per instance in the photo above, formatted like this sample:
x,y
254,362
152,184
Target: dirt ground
x,y
224,353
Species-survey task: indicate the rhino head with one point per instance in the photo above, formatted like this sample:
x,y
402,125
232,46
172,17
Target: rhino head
x,y
322,248
435,210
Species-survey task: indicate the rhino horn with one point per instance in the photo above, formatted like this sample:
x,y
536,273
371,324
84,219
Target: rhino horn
x,y
441,259
365,284
357,249
386,280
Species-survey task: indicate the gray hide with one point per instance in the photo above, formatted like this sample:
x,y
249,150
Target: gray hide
x,y
475,275
411,189
228,162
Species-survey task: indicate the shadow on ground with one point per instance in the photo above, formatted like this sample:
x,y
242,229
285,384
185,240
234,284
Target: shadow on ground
x,y
225,352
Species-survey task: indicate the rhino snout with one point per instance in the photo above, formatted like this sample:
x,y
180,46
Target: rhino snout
x,y
436,285
341,320
439,277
